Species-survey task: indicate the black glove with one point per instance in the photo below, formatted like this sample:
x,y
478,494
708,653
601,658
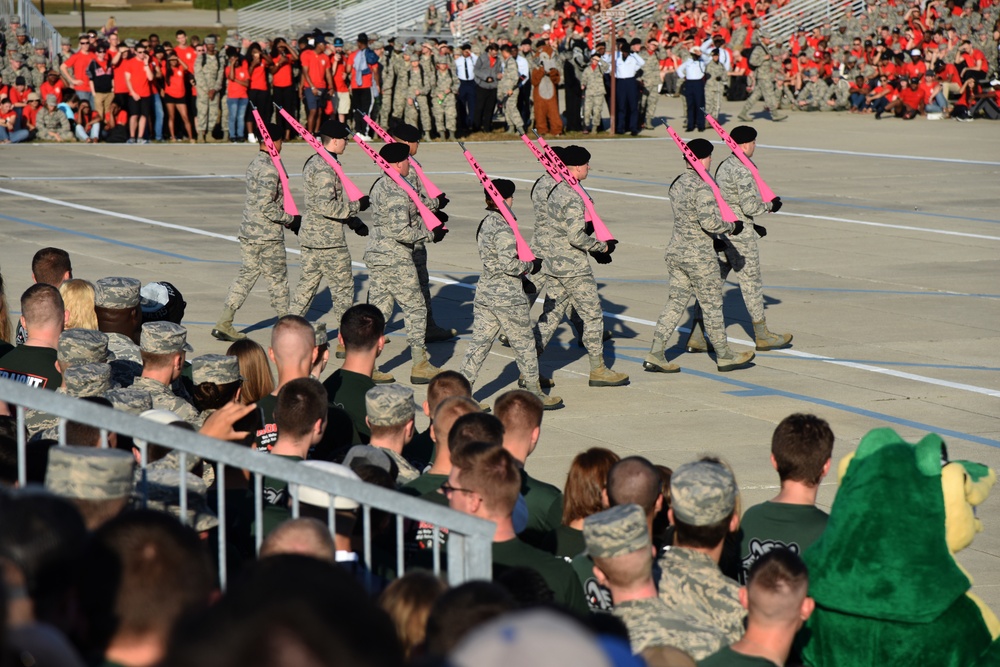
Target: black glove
x,y
296,224
718,244
364,203
439,233
441,215
737,228
536,265
442,201
589,228
761,230
612,244
359,228
528,286
601,257
775,205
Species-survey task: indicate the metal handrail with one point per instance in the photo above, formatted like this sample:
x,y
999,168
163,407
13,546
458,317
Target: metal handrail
x,y
270,18
469,538
807,14
382,17
490,10
638,12
40,31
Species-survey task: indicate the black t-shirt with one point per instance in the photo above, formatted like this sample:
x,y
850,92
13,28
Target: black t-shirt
x,y
346,390
102,76
33,366
339,435
267,434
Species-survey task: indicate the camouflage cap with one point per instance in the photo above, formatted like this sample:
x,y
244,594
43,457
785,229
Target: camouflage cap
x,y
702,493
133,401
130,43
87,380
319,328
442,60
117,292
163,338
82,346
163,493
317,498
20,31
389,405
211,39
36,60
89,473
217,368
617,531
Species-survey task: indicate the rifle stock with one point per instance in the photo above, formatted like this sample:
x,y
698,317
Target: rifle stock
x,y
352,191
430,220
523,249
272,150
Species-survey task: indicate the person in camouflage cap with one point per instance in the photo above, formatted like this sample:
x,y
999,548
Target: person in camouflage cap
x,y
619,542
703,499
322,350
216,368
390,409
87,380
97,481
117,292
164,346
163,493
82,346
119,315
132,400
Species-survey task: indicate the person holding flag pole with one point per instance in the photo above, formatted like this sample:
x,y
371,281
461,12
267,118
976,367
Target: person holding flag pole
x,y
692,264
268,210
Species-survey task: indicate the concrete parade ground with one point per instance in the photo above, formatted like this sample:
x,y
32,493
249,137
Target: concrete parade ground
x,y
884,263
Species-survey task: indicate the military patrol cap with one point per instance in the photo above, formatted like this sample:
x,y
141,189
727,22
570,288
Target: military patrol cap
x,y
18,58
406,132
389,405
15,19
317,498
395,152
505,187
89,473
21,30
117,292
163,338
743,134
575,156
163,493
210,39
812,72
82,346
442,60
617,531
702,493
375,46
87,380
835,74
701,148
130,43
36,60
133,401
334,129
319,330
217,368
50,100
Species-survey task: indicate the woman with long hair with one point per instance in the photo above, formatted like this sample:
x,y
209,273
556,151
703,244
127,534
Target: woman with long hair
x,y
237,95
255,370
78,297
583,496
174,94
6,330
280,64
259,93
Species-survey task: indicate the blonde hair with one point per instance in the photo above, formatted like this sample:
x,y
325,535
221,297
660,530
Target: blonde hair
x,y
78,297
6,331
255,370
408,601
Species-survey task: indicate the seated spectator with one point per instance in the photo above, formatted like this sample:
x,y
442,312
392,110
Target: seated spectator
x,y
777,603
911,101
78,297
408,602
801,449
216,380
391,409
583,495
460,611
119,315
988,103
428,485
164,349
420,450
258,381
97,481
88,124
303,536
34,362
52,123
9,131
362,336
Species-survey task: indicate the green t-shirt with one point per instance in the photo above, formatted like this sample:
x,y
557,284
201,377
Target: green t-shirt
x,y
340,431
727,657
598,597
557,572
420,450
346,390
425,485
569,542
545,505
772,525
32,366
277,500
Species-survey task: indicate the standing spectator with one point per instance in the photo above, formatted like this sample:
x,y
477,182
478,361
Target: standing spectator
x,y
627,66
362,330
545,78
316,80
157,61
693,71
465,65
507,88
280,68
138,78
175,96
572,49
487,76
185,53
341,85
716,76
443,99
34,362
361,68
592,81
102,84
257,63
209,74
417,106
75,70
237,94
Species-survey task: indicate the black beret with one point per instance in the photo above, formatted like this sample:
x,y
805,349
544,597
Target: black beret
x,y
525,42
575,156
635,42
273,131
743,134
334,129
701,148
393,153
504,187
560,152
363,38
406,132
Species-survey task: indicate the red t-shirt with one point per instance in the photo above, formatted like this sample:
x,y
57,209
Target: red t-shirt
x,y
972,58
912,69
912,97
340,77
30,113
282,77
317,64
187,55
233,89
79,62
258,78
173,81
21,96
123,66
140,83
9,115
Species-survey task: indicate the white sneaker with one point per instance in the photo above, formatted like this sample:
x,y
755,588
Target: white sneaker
x,y
935,116
364,137
252,138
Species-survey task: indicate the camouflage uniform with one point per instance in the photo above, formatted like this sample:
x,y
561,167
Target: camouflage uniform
x,y
401,78
53,121
715,81
443,99
163,338
86,379
501,304
692,262
131,400
593,95
508,82
120,293
651,622
324,248
815,94
693,586
262,237
418,85
841,91
392,405
89,473
209,74
420,255
563,242
649,91
396,228
388,69
765,75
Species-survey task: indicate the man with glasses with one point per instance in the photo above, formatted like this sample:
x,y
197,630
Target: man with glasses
x,y
75,70
101,77
138,79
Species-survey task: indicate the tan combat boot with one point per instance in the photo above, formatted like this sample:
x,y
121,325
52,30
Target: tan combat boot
x,y
767,340
732,361
224,327
378,377
548,402
543,382
696,339
657,363
422,371
201,137
602,376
